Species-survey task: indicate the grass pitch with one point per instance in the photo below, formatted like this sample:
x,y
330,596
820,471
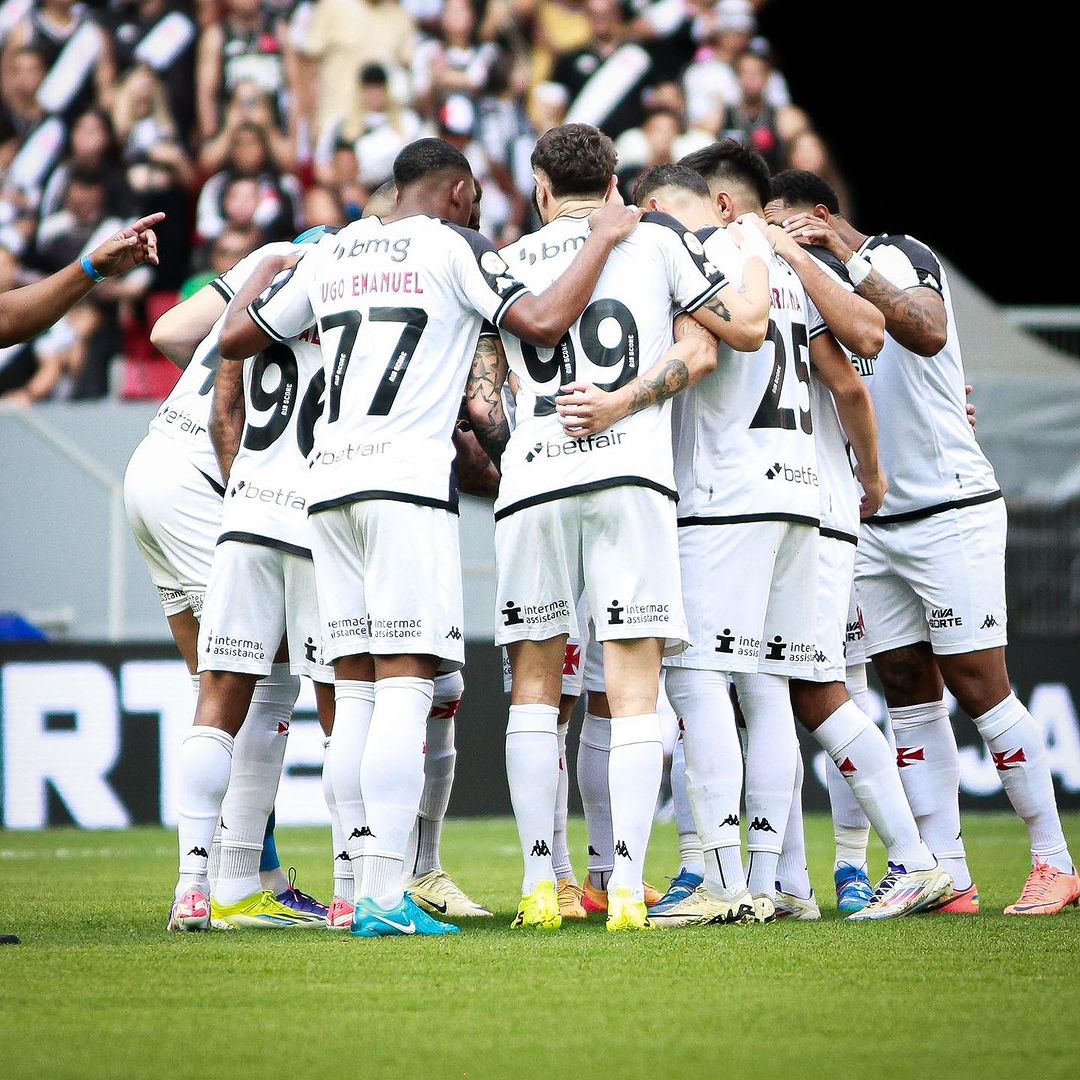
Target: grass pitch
x,y
97,988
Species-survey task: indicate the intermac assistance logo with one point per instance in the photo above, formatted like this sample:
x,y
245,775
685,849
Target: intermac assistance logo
x,y
798,474
241,648
534,614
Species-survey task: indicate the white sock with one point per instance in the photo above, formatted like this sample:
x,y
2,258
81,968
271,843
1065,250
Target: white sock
x,y
929,766
560,849
594,745
440,757
392,781
258,753
532,771
863,757
714,771
792,874
691,857
1019,751
353,705
851,827
342,866
205,764
635,769
772,750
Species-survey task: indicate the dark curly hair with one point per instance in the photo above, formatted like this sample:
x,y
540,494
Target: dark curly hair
x,y
797,187
578,159
662,176
731,160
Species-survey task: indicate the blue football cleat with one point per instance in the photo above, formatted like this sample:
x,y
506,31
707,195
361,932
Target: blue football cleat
x,y
408,919
683,885
293,898
853,889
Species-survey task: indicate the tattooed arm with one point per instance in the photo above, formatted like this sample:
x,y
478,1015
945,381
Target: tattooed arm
x,y
483,397
227,414
740,319
915,317
586,410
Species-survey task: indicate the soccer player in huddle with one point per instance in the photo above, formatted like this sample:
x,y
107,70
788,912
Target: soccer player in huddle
x,y
399,303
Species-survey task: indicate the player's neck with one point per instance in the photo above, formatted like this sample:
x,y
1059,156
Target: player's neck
x,y
575,208
848,233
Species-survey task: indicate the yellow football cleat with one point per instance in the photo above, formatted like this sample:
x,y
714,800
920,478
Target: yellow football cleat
x,y
263,911
570,894
627,912
595,900
539,910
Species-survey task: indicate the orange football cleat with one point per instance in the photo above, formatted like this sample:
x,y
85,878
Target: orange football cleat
x,y
569,894
1048,891
960,903
594,900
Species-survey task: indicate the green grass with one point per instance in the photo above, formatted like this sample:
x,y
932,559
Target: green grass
x,y
97,988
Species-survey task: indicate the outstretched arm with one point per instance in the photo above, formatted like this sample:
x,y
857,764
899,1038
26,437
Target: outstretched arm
x,y
27,312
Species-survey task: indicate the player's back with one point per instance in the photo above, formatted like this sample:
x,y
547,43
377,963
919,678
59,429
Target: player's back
x,y
928,449
624,330
743,436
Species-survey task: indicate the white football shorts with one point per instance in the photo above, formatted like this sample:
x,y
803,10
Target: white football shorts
x,y
939,579
573,657
836,576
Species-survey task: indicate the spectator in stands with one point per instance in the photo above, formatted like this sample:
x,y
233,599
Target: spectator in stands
x,y
710,83
342,37
248,105
92,147
225,252
454,63
323,206
808,152
249,182
248,45
559,27
43,367
754,121
75,51
162,36
662,139
603,82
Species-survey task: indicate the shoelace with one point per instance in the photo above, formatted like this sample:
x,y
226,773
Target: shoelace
x,y
299,894
1038,885
884,886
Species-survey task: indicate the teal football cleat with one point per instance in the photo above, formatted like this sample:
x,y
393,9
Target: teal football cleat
x,y
853,889
408,919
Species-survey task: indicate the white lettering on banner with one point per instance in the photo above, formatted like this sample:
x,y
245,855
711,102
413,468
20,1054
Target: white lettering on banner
x,y
74,760
162,687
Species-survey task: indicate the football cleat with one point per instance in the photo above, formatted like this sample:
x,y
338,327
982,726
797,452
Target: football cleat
x,y
539,910
293,898
902,893
408,919
764,908
340,915
627,912
1048,891
680,888
595,901
263,911
190,912
796,908
702,908
437,892
959,903
569,894
853,888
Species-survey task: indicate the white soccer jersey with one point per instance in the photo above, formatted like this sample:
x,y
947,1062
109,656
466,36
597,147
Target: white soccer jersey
x,y
399,308
266,501
657,271
928,449
744,446
185,414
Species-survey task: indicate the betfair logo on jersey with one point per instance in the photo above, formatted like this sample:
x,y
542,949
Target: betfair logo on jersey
x,y
551,251
800,474
576,446
943,617
348,453
180,420
534,614
632,614
293,500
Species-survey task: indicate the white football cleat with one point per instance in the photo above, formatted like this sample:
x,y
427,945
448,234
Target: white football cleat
x,y
796,908
438,893
702,908
901,892
190,912
764,908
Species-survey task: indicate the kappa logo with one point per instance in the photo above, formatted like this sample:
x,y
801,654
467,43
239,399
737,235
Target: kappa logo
x,y
572,660
540,849
908,755
593,853
726,639
356,834
511,614
615,614
1008,759
761,824
199,851
989,622
454,633
622,850
732,819
341,856
846,767
775,649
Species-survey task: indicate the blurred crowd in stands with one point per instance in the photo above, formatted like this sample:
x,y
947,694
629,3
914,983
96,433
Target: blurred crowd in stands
x,y
249,120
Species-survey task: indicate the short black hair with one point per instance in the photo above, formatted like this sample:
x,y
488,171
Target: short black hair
x,y
373,75
730,160
797,187
424,158
578,159
662,176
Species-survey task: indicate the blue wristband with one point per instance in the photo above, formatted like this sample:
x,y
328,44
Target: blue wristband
x,y
88,269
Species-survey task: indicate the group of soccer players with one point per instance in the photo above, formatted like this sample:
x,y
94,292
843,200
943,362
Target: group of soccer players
x,y
731,456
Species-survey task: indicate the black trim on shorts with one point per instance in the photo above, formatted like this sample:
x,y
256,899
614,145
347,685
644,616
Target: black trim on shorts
x,y
265,541
384,496
836,534
743,519
584,489
212,482
937,508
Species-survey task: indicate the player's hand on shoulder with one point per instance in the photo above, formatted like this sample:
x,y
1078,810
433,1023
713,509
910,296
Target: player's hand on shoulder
x,y
755,236
971,418
131,247
586,410
811,231
874,487
615,221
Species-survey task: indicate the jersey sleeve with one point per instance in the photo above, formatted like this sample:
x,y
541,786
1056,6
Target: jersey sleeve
x,y
284,311
815,324
481,276
232,281
909,264
695,279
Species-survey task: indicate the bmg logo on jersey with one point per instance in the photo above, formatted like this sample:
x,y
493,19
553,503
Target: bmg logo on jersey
x,y
398,250
576,446
799,474
551,251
